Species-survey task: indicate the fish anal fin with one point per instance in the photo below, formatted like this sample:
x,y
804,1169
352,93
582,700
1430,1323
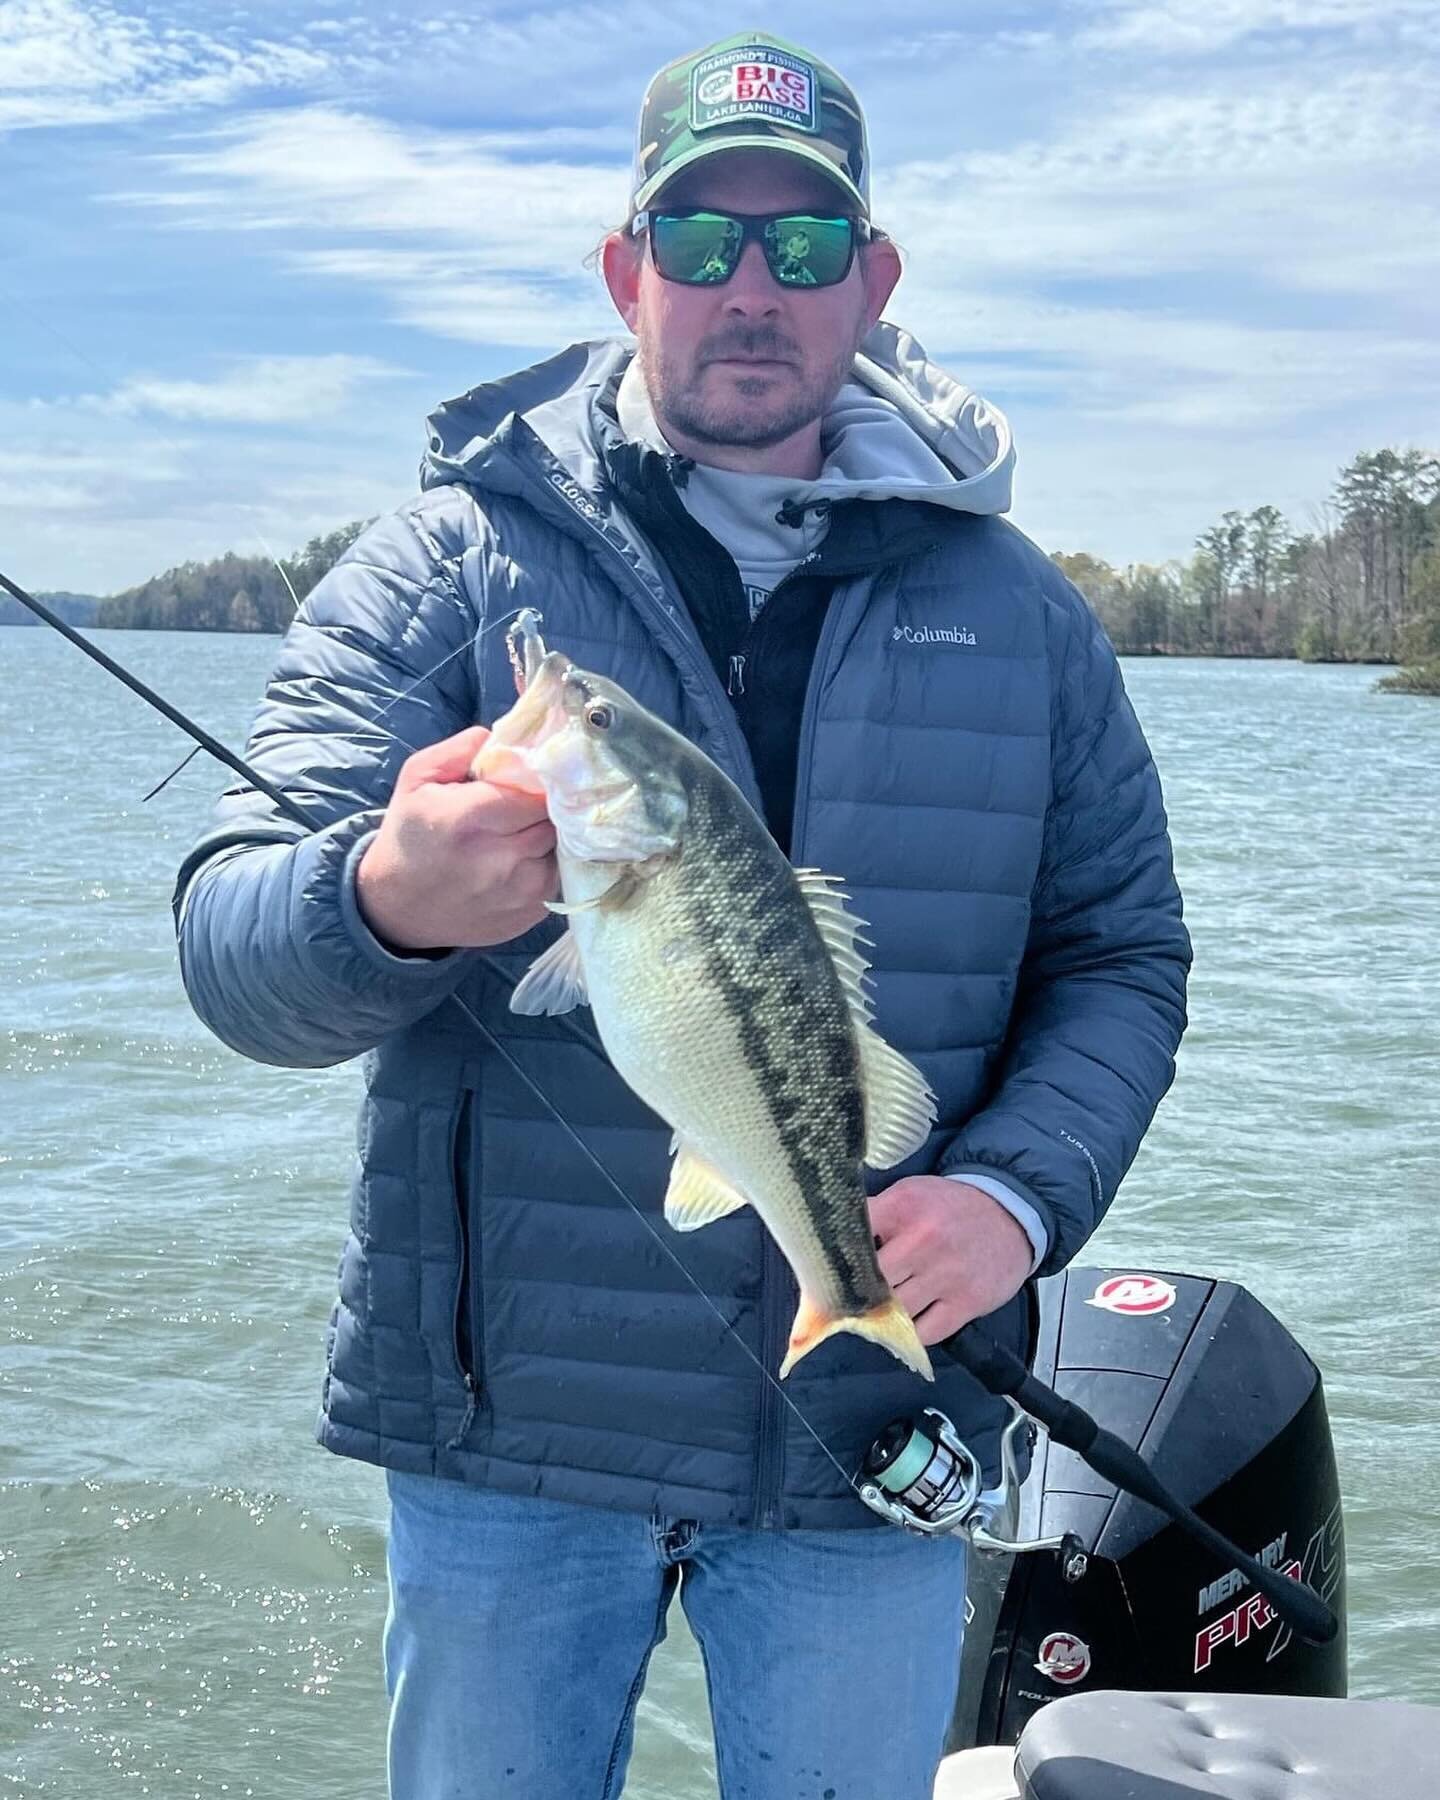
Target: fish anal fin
x,y
899,1106
554,982
888,1324
698,1193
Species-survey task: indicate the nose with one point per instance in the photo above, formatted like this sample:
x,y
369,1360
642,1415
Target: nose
x,y
752,292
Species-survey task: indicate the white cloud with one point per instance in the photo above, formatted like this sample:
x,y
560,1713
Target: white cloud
x,y
264,390
98,501
478,236
1202,27
67,63
338,172
1187,256
35,480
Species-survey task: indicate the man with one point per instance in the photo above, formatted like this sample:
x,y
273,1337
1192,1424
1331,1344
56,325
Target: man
x,y
778,526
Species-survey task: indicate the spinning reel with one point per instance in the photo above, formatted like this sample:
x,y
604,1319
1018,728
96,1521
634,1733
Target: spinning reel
x,y
920,1476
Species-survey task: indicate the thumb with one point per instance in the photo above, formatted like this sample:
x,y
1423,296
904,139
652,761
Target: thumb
x,y
449,760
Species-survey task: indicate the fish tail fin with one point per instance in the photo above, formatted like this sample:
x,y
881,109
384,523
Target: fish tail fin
x,y
888,1324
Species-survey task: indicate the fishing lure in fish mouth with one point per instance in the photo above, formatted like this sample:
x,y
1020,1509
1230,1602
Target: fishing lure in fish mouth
x,y
725,985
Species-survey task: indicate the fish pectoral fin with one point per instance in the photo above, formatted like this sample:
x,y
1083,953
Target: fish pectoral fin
x,y
614,896
621,891
899,1106
554,982
698,1193
888,1324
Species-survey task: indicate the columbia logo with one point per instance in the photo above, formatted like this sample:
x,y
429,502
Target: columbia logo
x,y
933,634
572,491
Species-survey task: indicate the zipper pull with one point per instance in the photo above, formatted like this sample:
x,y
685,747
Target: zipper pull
x,y
736,683
472,1400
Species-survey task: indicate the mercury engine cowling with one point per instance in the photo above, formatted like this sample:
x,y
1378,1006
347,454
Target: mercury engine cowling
x,y
1229,1411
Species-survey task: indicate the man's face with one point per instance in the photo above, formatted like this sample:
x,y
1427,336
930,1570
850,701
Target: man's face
x,y
748,362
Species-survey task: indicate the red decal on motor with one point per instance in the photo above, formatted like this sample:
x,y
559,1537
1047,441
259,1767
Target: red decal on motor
x,y
1064,1658
1135,1296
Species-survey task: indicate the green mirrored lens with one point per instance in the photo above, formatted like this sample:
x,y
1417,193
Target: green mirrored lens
x,y
700,248
808,252
704,248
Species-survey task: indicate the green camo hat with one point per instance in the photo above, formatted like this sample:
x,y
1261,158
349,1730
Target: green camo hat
x,y
754,90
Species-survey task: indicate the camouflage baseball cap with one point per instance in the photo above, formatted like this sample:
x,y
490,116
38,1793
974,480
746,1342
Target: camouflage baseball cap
x,y
754,90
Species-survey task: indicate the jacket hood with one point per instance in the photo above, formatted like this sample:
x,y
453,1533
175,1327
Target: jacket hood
x,y
901,428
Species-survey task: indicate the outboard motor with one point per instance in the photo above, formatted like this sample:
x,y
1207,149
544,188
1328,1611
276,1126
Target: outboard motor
x,y
1229,1411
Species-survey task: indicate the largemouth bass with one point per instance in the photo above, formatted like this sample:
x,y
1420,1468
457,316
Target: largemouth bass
x,y
725,987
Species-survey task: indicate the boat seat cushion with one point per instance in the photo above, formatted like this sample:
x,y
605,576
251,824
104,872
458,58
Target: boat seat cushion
x,y
1123,1746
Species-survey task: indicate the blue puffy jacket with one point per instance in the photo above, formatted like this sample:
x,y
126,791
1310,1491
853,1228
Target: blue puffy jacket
x,y
971,767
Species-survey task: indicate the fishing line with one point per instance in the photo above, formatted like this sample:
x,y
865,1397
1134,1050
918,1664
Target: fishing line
x,y
612,1183
293,811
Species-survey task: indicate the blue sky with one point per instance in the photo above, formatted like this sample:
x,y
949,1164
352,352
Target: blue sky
x,y
1192,248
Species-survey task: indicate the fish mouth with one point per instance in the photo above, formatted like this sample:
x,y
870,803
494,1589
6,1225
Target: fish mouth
x,y
505,758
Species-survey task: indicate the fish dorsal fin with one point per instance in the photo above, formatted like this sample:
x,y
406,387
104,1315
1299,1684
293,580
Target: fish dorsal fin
x,y
842,933
899,1106
554,982
698,1192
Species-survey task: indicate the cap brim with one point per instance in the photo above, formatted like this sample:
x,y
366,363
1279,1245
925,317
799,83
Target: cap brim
x,y
781,146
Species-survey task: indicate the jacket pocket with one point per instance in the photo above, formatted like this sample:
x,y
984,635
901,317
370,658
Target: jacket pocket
x,y
468,1334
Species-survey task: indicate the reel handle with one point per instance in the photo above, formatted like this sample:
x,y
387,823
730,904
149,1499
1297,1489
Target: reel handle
x,y
1001,1372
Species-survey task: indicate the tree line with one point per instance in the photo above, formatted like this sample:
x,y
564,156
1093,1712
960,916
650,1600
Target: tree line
x,y
1362,584
230,593
74,609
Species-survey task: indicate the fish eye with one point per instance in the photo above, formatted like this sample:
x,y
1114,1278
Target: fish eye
x,y
600,716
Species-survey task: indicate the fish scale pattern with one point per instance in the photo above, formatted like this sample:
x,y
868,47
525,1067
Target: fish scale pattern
x,y
504,1316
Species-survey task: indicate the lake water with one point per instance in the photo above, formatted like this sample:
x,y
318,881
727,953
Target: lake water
x,y
191,1592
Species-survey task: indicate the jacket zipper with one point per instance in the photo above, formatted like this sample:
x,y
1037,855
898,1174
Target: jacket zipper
x,y
683,641
465,1333
746,660
770,1453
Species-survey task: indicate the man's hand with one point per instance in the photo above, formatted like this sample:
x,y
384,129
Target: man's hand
x,y
951,1253
455,861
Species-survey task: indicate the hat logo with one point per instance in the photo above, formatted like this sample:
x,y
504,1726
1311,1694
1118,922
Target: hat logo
x,y
755,82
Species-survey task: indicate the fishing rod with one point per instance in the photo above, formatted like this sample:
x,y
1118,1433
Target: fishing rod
x,y
917,1474
201,736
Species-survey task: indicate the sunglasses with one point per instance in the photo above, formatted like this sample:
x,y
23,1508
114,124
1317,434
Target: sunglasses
x,y
702,249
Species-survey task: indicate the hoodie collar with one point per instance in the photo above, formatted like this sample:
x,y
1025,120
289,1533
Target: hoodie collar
x,y
901,429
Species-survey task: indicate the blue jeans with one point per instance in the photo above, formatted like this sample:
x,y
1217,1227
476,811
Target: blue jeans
x,y
520,1630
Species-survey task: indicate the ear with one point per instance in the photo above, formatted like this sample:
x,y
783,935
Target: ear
x,y
880,269
621,259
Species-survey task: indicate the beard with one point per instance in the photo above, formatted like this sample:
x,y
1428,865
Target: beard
x,y
754,412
